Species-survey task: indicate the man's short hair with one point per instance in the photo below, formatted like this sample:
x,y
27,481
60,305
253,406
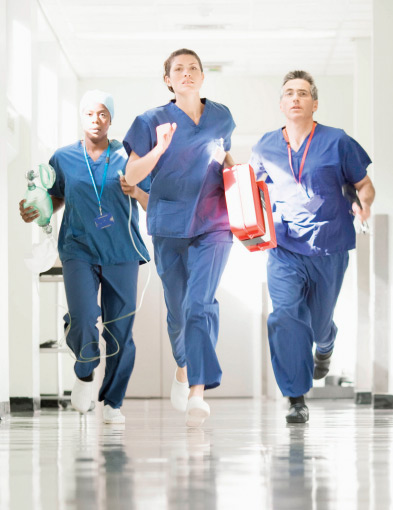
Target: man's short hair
x,y
301,75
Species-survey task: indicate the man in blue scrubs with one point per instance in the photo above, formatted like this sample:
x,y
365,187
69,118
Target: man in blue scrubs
x,y
306,166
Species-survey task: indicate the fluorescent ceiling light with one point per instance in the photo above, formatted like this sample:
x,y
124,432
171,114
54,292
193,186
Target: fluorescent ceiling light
x,y
234,35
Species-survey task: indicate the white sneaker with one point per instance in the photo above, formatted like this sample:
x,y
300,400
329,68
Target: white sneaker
x,y
197,411
81,395
179,394
111,415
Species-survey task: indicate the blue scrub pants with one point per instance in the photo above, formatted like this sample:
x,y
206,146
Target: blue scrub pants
x,y
304,292
118,297
190,270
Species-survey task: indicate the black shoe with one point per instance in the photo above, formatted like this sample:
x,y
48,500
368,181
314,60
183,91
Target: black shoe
x,y
321,364
298,413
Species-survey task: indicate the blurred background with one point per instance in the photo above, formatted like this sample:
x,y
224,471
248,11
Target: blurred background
x,y
52,51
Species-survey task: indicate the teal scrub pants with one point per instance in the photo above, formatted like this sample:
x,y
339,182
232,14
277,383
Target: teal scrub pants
x,y
190,270
118,297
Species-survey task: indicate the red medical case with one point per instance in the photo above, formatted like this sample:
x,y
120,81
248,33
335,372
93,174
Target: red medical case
x,y
249,209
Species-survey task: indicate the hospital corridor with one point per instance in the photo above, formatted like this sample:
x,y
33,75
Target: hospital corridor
x,y
156,352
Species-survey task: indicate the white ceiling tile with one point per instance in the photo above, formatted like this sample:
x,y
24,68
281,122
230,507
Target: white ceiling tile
x,y
259,37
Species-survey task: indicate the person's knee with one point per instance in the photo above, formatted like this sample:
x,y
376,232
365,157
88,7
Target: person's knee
x,y
83,322
197,309
281,316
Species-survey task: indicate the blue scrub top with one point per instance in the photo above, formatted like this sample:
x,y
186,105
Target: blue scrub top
x,y
312,218
79,237
187,193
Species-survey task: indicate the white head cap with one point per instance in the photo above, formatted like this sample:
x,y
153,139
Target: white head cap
x,y
100,97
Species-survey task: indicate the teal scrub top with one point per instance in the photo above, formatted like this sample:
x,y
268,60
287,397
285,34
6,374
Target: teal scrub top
x,y
79,238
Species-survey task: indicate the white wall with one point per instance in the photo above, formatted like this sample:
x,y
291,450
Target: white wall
x,y
22,330
382,51
4,369
41,89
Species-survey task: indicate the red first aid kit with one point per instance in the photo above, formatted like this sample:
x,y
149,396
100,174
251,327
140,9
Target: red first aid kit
x,y
249,209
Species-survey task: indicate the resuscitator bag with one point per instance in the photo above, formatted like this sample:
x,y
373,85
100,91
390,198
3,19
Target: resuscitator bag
x,y
38,197
44,253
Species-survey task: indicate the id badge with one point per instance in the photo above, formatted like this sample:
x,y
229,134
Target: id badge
x,y
104,221
313,204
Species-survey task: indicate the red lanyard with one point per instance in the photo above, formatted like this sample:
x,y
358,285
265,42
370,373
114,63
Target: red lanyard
x,y
305,151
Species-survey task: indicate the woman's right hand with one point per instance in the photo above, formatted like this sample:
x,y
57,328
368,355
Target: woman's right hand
x,y
29,214
164,136
138,168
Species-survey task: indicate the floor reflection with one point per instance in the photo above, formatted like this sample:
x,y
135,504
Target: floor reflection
x,y
245,457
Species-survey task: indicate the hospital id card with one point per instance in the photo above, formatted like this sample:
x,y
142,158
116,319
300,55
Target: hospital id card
x,y
311,203
104,221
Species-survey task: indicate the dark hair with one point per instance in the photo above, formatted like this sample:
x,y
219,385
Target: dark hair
x,y
172,56
302,75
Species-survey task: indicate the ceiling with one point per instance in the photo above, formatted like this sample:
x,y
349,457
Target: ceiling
x,y
116,38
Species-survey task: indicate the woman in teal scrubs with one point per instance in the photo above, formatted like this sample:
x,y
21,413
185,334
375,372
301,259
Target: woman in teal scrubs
x,y
182,147
96,250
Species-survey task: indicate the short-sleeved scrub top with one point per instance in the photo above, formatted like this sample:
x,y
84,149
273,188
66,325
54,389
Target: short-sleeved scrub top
x,y
187,193
79,238
313,217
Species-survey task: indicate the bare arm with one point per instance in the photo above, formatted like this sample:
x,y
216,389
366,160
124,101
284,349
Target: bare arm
x,y
134,192
138,168
366,194
57,203
228,161
30,213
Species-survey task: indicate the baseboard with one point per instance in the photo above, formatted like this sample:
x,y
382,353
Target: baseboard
x,y
23,404
4,409
363,397
383,401
331,392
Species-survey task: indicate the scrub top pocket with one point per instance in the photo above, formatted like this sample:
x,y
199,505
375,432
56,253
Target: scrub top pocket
x,y
170,218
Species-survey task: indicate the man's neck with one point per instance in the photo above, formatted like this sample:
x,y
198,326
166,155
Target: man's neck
x,y
298,132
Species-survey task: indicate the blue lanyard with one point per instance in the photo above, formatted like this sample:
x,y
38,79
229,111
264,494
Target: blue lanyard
x,y
103,177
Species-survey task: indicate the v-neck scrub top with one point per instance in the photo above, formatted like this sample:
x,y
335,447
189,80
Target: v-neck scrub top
x,y
79,237
312,218
187,193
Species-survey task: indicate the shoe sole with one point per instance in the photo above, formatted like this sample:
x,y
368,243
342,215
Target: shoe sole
x,y
196,417
84,411
114,422
297,420
91,407
319,376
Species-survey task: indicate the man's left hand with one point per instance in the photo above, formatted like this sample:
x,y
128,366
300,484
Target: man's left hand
x,y
362,213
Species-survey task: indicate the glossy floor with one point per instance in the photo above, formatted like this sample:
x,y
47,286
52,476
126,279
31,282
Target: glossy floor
x,y
245,457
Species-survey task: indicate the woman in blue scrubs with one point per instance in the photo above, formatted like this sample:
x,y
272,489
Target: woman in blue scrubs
x,y
96,251
182,147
